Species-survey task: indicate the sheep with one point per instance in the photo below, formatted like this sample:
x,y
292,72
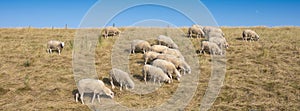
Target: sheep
x,y
110,31
122,78
150,56
140,45
55,45
167,67
166,41
210,29
250,34
214,34
159,48
195,29
179,63
92,86
221,42
155,73
174,52
211,46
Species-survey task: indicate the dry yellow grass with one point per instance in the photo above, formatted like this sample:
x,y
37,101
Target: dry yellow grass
x,y
261,75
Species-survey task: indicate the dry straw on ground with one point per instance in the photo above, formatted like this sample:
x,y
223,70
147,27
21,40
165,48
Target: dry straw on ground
x,y
262,75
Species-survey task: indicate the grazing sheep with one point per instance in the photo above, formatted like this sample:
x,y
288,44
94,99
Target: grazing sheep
x,y
210,46
221,42
174,52
121,77
195,29
92,86
150,55
166,41
210,29
55,45
167,67
140,45
159,48
155,73
179,63
250,34
111,31
214,34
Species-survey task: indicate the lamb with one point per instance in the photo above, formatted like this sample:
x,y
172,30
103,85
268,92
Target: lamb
x,y
155,73
167,67
174,52
55,45
110,31
250,34
210,29
211,46
166,41
179,63
122,78
140,45
159,48
92,86
150,56
195,29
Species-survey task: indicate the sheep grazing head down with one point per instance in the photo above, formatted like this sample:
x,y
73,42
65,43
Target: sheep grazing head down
x,y
108,92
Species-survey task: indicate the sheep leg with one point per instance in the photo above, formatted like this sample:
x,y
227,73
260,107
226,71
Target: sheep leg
x,y
170,77
76,97
126,87
112,83
58,52
93,97
145,77
81,97
50,51
121,86
98,96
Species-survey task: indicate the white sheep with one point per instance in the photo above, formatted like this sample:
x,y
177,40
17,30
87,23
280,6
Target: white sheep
x,y
159,48
250,34
174,52
150,55
211,29
167,67
155,73
179,63
140,45
55,45
220,41
122,78
195,29
111,31
212,47
94,86
162,39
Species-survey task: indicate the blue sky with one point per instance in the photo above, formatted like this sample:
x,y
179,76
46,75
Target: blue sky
x,y
57,13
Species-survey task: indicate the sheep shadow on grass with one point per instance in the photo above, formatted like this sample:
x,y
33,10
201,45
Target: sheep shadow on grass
x,y
239,38
138,77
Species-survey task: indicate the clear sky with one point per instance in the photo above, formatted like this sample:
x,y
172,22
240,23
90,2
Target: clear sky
x,y
57,13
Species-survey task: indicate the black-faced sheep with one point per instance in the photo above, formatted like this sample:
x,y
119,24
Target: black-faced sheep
x,y
212,47
140,45
167,41
167,67
195,29
110,31
55,45
155,73
121,77
252,35
94,86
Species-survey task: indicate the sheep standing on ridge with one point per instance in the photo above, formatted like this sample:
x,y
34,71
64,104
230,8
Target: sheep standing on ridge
x,y
167,67
149,56
166,41
250,34
212,47
195,29
155,73
159,48
110,31
140,45
92,86
121,77
55,45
